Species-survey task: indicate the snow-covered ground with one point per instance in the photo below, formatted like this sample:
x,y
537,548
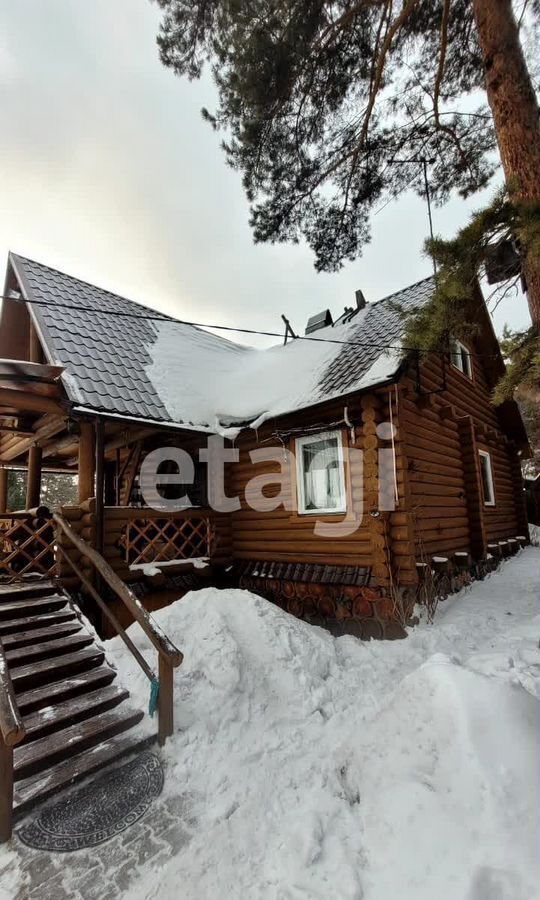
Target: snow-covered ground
x,y
321,767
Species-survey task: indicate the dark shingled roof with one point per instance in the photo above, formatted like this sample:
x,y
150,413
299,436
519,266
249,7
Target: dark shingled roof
x,y
379,325
106,358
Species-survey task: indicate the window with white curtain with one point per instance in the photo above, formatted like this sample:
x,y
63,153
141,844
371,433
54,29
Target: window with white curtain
x,y
320,473
461,358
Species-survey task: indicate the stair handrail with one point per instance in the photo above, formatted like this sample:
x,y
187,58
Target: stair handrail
x,y
169,656
12,727
159,639
12,732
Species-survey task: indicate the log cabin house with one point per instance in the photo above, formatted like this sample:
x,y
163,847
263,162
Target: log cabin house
x,y
102,381
92,383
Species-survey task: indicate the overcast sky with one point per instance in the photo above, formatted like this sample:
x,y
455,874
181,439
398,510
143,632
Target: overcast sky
x,y
108,172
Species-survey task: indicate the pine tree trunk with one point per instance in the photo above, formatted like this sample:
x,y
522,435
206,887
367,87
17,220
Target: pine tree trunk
x,y
515,112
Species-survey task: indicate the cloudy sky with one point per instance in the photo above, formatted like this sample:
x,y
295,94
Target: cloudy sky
x,y
108,172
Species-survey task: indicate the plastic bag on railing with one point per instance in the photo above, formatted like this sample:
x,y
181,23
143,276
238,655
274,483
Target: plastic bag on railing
x,y
154,694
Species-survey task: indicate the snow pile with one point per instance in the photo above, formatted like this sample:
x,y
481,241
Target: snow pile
x,y
203,379
187,366
316,767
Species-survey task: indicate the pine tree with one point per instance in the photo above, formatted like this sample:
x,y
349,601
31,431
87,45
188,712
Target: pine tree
x,y
57,489
16,498
319,100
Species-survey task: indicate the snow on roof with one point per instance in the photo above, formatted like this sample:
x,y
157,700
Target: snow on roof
x,y
162,370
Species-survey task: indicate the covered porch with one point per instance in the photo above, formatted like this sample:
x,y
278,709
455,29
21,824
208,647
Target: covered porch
x,y
42,433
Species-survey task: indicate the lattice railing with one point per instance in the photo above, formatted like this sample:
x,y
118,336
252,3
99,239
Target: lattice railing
x,y
26,546
166,539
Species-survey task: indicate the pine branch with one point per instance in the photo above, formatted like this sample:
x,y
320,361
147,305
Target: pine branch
x,y
442,58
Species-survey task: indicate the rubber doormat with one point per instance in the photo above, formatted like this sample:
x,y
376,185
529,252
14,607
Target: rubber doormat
x,y
90,815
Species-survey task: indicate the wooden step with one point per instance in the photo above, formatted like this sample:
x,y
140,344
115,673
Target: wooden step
x,y
30,791
77,709
29,759
58,691
47,670
21,590
40,635
47,650
27,623
13,609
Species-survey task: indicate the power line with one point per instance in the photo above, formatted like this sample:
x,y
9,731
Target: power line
x,y
162,317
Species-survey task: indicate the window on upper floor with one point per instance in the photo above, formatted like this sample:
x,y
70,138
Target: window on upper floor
x,y
320,473
460,358
486,475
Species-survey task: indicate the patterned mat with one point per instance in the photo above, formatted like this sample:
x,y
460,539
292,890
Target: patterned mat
x,y
96,812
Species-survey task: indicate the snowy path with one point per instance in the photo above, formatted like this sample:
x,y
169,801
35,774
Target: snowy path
x,y
310,767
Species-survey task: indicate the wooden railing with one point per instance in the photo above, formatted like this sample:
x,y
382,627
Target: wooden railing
x,y
189,533
165,539
26,544
169,657
12,732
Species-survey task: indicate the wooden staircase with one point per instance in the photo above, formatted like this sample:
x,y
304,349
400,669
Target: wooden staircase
x,y
76,717
61,715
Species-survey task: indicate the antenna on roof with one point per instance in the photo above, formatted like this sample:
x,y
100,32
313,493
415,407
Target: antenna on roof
x,y
424,162
288,328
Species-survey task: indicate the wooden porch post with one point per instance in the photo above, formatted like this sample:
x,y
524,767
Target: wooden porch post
x,y
33,482
100,482
3,489
165,700
86,461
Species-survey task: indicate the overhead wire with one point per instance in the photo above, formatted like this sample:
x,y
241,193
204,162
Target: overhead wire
x,y
163,317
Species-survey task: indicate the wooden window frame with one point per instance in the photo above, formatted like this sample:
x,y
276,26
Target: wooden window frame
x,y
299,480
484,454
458,346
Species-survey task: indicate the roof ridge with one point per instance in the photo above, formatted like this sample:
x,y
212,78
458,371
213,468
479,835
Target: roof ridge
x,y
160,317
402,290
96,287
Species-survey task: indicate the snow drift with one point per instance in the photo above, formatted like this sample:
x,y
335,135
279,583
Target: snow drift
x,y
316,767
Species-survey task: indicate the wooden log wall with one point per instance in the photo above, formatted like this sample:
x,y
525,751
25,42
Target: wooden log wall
x,y
473,493
82,519
440,468
437,495
501,520
402,525
376,521
281,535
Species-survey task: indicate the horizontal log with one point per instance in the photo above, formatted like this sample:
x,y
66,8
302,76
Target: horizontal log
x,y
128,513
71,513
302,551
295,557
442,489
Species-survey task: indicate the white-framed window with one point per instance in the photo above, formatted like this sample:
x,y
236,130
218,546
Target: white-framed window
x,y
320,473
486,475
460,357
